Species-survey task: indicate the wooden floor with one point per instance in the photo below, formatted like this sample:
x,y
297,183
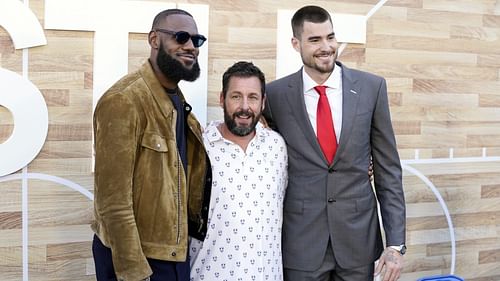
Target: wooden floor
x,y
441,59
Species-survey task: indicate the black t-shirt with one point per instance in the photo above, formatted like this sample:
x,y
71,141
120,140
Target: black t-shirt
x,y
180,131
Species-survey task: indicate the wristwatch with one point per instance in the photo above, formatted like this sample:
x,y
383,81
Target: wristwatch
x,y
401,248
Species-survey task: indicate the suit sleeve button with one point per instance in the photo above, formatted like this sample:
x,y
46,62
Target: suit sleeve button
x,y
331,200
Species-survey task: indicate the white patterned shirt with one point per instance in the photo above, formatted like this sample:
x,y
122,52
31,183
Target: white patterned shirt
x,y
243,239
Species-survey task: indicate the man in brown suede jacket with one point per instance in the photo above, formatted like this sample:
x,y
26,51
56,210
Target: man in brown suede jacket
x,y
152,175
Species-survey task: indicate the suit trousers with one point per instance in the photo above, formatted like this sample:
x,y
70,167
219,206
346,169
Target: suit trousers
x,y
330,271
162,270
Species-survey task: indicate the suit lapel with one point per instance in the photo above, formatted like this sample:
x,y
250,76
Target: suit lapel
x,y
350,97
295,99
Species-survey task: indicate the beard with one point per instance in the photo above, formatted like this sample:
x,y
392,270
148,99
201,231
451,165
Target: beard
x,y
174,69
321,68
241,130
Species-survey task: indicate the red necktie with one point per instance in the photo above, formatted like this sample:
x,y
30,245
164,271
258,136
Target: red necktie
x,y
324,125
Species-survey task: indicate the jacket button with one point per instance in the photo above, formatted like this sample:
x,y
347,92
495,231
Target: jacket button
x,y
173,254
331,170
331,200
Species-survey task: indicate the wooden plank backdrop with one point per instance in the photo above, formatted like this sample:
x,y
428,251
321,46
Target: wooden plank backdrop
x,y
441,59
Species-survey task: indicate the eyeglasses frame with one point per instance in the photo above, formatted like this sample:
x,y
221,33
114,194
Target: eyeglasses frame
x,y
194,38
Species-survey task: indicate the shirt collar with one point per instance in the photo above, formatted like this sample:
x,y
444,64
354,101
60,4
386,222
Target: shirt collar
x,y
333,80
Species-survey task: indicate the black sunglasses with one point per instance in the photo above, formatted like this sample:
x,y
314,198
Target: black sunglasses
x,y
182,37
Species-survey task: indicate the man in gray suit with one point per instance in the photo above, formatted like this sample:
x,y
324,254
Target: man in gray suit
x,y
331,229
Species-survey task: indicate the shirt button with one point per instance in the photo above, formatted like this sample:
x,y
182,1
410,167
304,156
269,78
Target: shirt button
x,y
158,145
331,200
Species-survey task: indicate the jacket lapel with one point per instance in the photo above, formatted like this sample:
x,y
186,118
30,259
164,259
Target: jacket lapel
x,y
295,99
164,102
157,90
350,97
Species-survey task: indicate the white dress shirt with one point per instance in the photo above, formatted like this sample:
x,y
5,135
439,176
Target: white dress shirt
x,y
333,93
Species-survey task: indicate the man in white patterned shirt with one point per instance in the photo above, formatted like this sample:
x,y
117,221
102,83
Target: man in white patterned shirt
x,y
249,167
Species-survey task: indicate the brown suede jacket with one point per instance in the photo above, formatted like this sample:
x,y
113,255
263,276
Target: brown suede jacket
x,y
143,200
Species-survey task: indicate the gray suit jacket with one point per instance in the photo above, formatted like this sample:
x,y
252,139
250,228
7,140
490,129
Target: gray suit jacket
x,y
337,202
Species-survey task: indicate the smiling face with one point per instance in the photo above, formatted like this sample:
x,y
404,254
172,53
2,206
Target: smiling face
x,y
243,104
174,69
176,61
317,46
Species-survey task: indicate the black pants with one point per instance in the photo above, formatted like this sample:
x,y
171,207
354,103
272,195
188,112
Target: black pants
x,y
162,270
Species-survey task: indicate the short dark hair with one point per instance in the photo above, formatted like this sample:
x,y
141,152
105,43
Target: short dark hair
x,y
165,13
313,14
243,69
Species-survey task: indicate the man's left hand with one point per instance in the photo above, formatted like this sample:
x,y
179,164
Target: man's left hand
x,y
392,261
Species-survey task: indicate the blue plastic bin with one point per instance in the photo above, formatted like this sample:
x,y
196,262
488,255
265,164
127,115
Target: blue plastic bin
x,y
442,278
